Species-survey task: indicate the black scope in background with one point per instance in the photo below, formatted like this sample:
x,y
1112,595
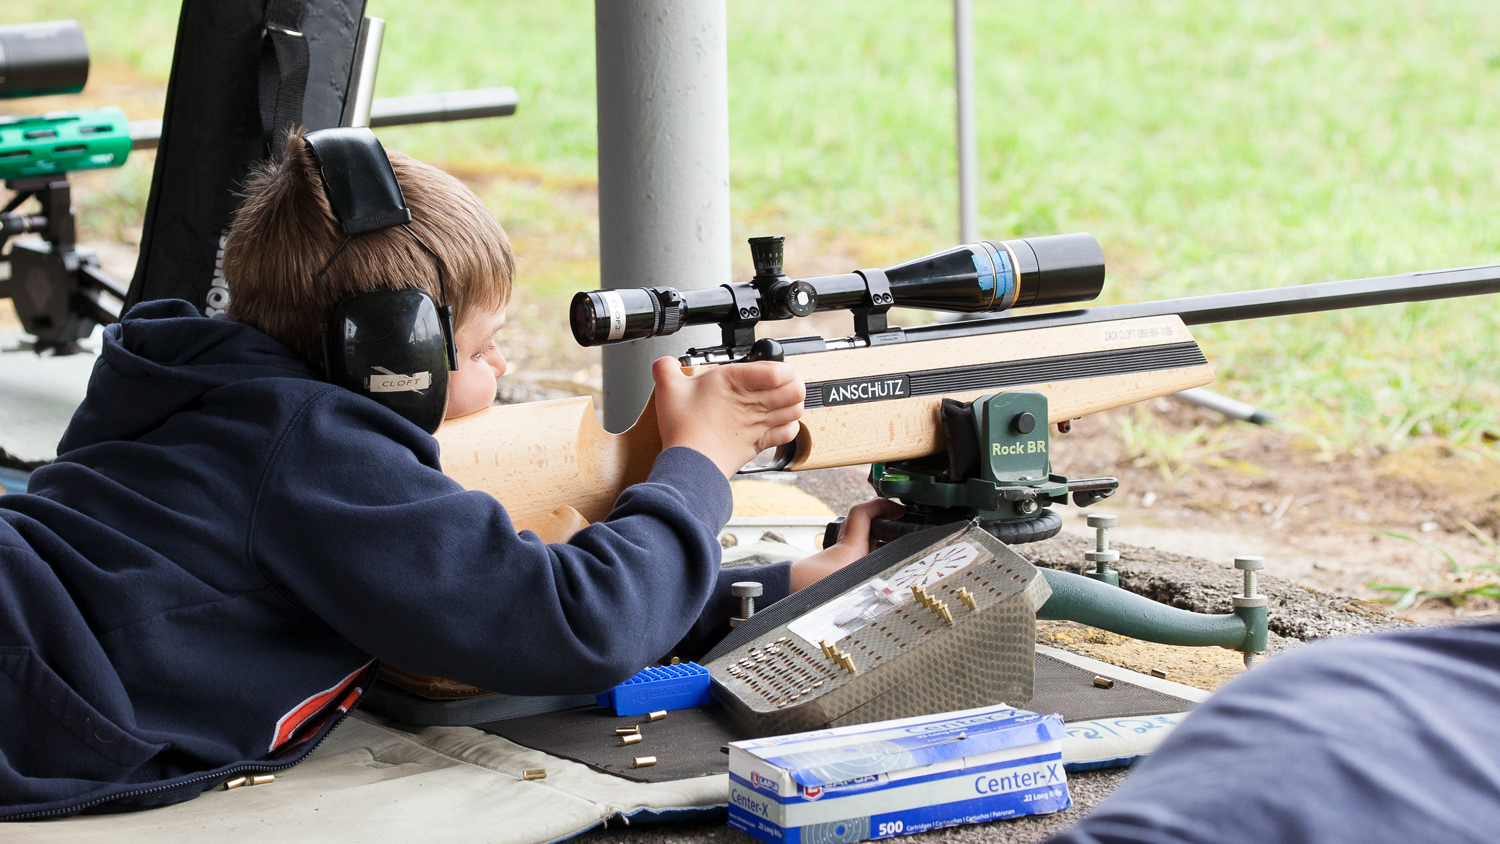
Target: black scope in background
x,y
37,59
989,276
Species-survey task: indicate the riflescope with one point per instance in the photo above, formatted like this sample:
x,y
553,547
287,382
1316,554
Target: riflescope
x,y
981,277
42,58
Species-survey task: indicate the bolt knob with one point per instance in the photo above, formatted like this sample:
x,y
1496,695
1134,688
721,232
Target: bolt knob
x,y
767,349
1102,520
746,589
1249,563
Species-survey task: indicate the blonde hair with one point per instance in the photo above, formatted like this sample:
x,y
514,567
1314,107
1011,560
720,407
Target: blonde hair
x,y
285,231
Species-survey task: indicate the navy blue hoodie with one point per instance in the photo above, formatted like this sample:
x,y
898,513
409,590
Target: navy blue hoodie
x,y
201,583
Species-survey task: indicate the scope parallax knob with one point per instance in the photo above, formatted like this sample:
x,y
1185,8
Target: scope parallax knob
x,y
799,298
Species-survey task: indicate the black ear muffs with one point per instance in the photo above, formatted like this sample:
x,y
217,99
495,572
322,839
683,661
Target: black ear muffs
x,y
394,346
389,345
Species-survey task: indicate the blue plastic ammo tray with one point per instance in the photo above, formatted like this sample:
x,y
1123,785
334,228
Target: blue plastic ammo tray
x,y
681,686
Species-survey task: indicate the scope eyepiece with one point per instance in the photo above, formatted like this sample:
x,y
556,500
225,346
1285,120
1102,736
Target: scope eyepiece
x,y
629,313
37,59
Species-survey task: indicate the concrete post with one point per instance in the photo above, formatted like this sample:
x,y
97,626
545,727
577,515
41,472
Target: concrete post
x,y
663,88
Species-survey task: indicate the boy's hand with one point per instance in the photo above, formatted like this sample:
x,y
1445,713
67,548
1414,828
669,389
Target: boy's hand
x,y
728,413
854,542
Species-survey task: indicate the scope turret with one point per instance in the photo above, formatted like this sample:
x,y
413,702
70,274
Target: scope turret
x,y
989,276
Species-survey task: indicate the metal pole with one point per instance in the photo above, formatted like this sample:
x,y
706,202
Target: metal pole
x,y
362,77
663,89
968,144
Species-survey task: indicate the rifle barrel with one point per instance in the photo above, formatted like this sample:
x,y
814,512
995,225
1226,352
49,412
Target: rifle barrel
x,y
1249,304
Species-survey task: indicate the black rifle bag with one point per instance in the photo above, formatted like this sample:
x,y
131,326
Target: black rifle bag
x,y
242,72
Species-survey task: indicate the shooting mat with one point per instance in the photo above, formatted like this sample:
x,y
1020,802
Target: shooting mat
x,y
375,780
688,742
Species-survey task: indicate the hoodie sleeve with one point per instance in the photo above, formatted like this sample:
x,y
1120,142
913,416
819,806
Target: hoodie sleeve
x,y
355,519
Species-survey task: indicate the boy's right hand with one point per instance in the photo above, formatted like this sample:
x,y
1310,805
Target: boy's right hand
x,y
728,413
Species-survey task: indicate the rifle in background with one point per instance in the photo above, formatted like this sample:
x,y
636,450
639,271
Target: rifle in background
x,y
57,286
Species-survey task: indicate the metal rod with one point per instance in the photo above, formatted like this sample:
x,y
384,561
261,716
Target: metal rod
x,y
1233,408
439,108
392,111
362,80
1249,304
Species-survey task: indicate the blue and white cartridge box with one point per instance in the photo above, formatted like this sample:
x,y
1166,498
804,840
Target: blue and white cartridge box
x,y
895,777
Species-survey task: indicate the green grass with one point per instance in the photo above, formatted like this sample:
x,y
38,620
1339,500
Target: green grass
x,y
1209,146
1459,583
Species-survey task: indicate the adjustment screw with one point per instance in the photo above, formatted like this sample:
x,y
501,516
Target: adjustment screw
x,y
1249,565
1101,523
747,591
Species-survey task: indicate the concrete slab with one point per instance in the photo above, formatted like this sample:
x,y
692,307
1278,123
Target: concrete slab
x,y
38,394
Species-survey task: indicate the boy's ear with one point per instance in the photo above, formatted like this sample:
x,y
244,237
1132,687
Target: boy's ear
x,y
389,345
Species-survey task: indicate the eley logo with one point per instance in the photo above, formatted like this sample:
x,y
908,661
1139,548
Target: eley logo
x,y
386,381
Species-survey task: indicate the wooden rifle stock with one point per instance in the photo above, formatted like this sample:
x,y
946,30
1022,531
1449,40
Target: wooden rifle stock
x,y
876,403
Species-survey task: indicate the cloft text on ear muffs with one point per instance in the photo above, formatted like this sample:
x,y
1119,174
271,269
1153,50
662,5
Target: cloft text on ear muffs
x,y
395,345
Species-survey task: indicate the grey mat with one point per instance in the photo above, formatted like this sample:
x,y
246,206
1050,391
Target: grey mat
x,y
687,742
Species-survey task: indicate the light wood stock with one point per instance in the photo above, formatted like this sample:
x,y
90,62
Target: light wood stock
x,y
538,457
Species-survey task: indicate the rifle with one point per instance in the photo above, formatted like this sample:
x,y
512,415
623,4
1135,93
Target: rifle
x,y
877,396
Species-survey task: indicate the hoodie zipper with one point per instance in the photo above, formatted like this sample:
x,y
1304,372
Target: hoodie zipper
x,y
156,789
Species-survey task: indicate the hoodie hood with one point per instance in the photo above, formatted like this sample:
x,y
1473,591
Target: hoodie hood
x,y
162,357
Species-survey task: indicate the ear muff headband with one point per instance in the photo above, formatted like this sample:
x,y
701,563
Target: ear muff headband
x,y
393,346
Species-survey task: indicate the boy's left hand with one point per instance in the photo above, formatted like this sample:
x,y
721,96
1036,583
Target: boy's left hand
x,y
854,542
